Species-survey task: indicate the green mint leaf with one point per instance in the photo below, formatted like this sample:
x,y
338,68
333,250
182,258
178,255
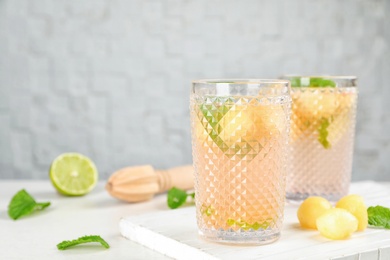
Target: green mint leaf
x,y
379,216
231,222
263,225
246,226
23,204
312,82
207,210
321,83
323,133
81,240
295,82
213,114
176,197
42,205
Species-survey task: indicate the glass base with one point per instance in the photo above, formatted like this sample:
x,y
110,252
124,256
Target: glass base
x,y
302,196
254,238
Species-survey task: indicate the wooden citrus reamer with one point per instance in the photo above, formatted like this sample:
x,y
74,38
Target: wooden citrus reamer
x,y
140,183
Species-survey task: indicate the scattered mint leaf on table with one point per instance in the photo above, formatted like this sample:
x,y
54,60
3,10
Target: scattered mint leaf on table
x,y
81,240
22,204
379,216
177,197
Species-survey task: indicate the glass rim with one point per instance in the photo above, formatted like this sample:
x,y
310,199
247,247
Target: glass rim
x,y
240,81
341,77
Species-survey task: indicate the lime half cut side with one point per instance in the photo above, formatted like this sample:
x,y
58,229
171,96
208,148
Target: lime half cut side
x,y
73,174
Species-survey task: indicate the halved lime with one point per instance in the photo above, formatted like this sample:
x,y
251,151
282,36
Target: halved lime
x,y
73,174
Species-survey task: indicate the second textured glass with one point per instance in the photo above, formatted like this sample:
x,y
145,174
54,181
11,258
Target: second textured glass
x,y
239,137
322,135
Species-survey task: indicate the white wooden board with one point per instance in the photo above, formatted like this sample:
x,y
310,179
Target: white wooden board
x,y
174,233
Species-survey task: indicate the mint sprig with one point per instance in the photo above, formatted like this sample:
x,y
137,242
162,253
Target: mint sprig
x,y
82,240
207,210
321,83
312,82
379,216
213,110
177,197
246,226
323,133
22,204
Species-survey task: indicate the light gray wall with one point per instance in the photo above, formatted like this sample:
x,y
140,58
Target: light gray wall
x,y
111,78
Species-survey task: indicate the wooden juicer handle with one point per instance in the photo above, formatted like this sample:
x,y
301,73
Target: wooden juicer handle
x,y
140,183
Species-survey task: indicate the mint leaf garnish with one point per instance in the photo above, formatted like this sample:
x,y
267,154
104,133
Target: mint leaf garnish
x,y
207,210
177,197
246,226
320,82
323,133
312,82
81,240
23,204
295,82
213,113
379,216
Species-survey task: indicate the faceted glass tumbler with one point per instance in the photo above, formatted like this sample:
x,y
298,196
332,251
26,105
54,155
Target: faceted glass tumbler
x,y
240,133
322,136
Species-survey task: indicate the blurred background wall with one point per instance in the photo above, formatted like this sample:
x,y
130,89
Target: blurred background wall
x,y
111,78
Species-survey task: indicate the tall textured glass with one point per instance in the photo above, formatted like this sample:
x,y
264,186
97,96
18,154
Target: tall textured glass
x,y
239,136
322,136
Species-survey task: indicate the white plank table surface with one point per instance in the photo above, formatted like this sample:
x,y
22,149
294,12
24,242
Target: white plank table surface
x,y
36,236
177,229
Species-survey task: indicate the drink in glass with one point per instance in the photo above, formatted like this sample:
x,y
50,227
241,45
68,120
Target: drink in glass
x,y
239,137
322,136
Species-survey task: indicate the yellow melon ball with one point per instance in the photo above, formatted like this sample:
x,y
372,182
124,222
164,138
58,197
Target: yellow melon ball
x,y
337,224
355,205
311,209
